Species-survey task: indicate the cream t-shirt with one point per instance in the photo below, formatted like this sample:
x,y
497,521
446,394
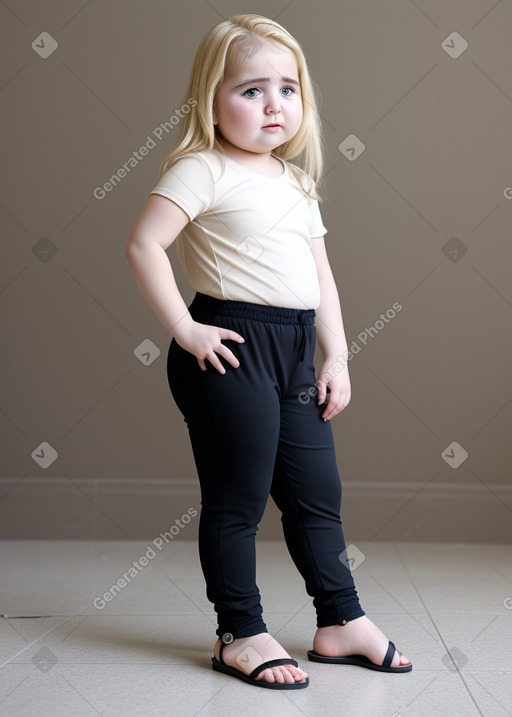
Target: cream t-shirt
x,y
249,235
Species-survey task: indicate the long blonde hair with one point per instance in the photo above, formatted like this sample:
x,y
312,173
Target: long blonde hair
x,y
214,55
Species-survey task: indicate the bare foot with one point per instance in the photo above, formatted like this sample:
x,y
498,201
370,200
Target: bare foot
x,y
357,637
246,653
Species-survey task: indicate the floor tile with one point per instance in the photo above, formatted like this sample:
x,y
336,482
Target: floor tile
x,y
499,557
120,639
454,594
492,691
444,559
148,649
477,641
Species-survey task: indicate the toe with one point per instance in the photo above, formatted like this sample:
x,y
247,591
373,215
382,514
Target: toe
x,y
266,675
293,674
402,660
282,676
279,675
288,676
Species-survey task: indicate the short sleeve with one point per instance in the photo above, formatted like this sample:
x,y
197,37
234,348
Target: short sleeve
x,y
317,225
188,182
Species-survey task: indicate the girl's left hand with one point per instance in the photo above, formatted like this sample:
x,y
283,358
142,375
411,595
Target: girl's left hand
x,y
339,387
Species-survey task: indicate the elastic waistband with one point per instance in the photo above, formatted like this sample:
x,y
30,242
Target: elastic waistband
x,y
205,304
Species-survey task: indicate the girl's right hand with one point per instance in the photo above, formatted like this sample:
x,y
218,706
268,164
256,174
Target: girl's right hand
x,y
205,342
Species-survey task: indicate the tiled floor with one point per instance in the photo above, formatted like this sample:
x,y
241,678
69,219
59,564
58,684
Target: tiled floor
x,y
147,651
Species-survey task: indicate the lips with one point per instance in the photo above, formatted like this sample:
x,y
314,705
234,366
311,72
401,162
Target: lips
x,y
271,125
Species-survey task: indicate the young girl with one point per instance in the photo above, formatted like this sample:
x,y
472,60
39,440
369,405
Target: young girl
x,y
250,240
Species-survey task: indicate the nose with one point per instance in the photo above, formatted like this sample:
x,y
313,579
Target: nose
x,y
273,102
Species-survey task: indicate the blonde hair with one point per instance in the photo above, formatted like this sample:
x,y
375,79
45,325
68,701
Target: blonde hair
x,y
216,54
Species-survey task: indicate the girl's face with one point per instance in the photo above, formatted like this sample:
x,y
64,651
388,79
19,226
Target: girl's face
x,y
262,89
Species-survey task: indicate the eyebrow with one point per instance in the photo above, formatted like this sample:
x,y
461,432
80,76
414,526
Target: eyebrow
x,y
266,79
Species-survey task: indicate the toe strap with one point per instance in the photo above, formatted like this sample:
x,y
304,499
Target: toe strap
x,y
389,655
273,663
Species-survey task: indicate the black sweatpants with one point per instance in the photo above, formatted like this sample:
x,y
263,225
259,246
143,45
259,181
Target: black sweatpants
x,y
252,436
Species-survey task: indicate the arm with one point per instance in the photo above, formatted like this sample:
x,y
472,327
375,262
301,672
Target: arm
x,y
158,225
331,338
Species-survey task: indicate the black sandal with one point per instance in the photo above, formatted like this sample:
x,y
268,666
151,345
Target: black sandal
x,y
221,666
363,661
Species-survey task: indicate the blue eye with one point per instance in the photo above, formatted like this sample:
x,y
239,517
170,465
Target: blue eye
x,y
255,88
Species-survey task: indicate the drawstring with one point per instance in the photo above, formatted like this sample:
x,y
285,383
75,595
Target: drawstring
x,y
302,329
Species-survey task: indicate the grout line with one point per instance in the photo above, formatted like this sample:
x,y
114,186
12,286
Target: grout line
x,y
437,629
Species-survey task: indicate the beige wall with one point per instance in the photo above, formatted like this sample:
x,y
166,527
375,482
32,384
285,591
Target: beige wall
x,y
433,182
